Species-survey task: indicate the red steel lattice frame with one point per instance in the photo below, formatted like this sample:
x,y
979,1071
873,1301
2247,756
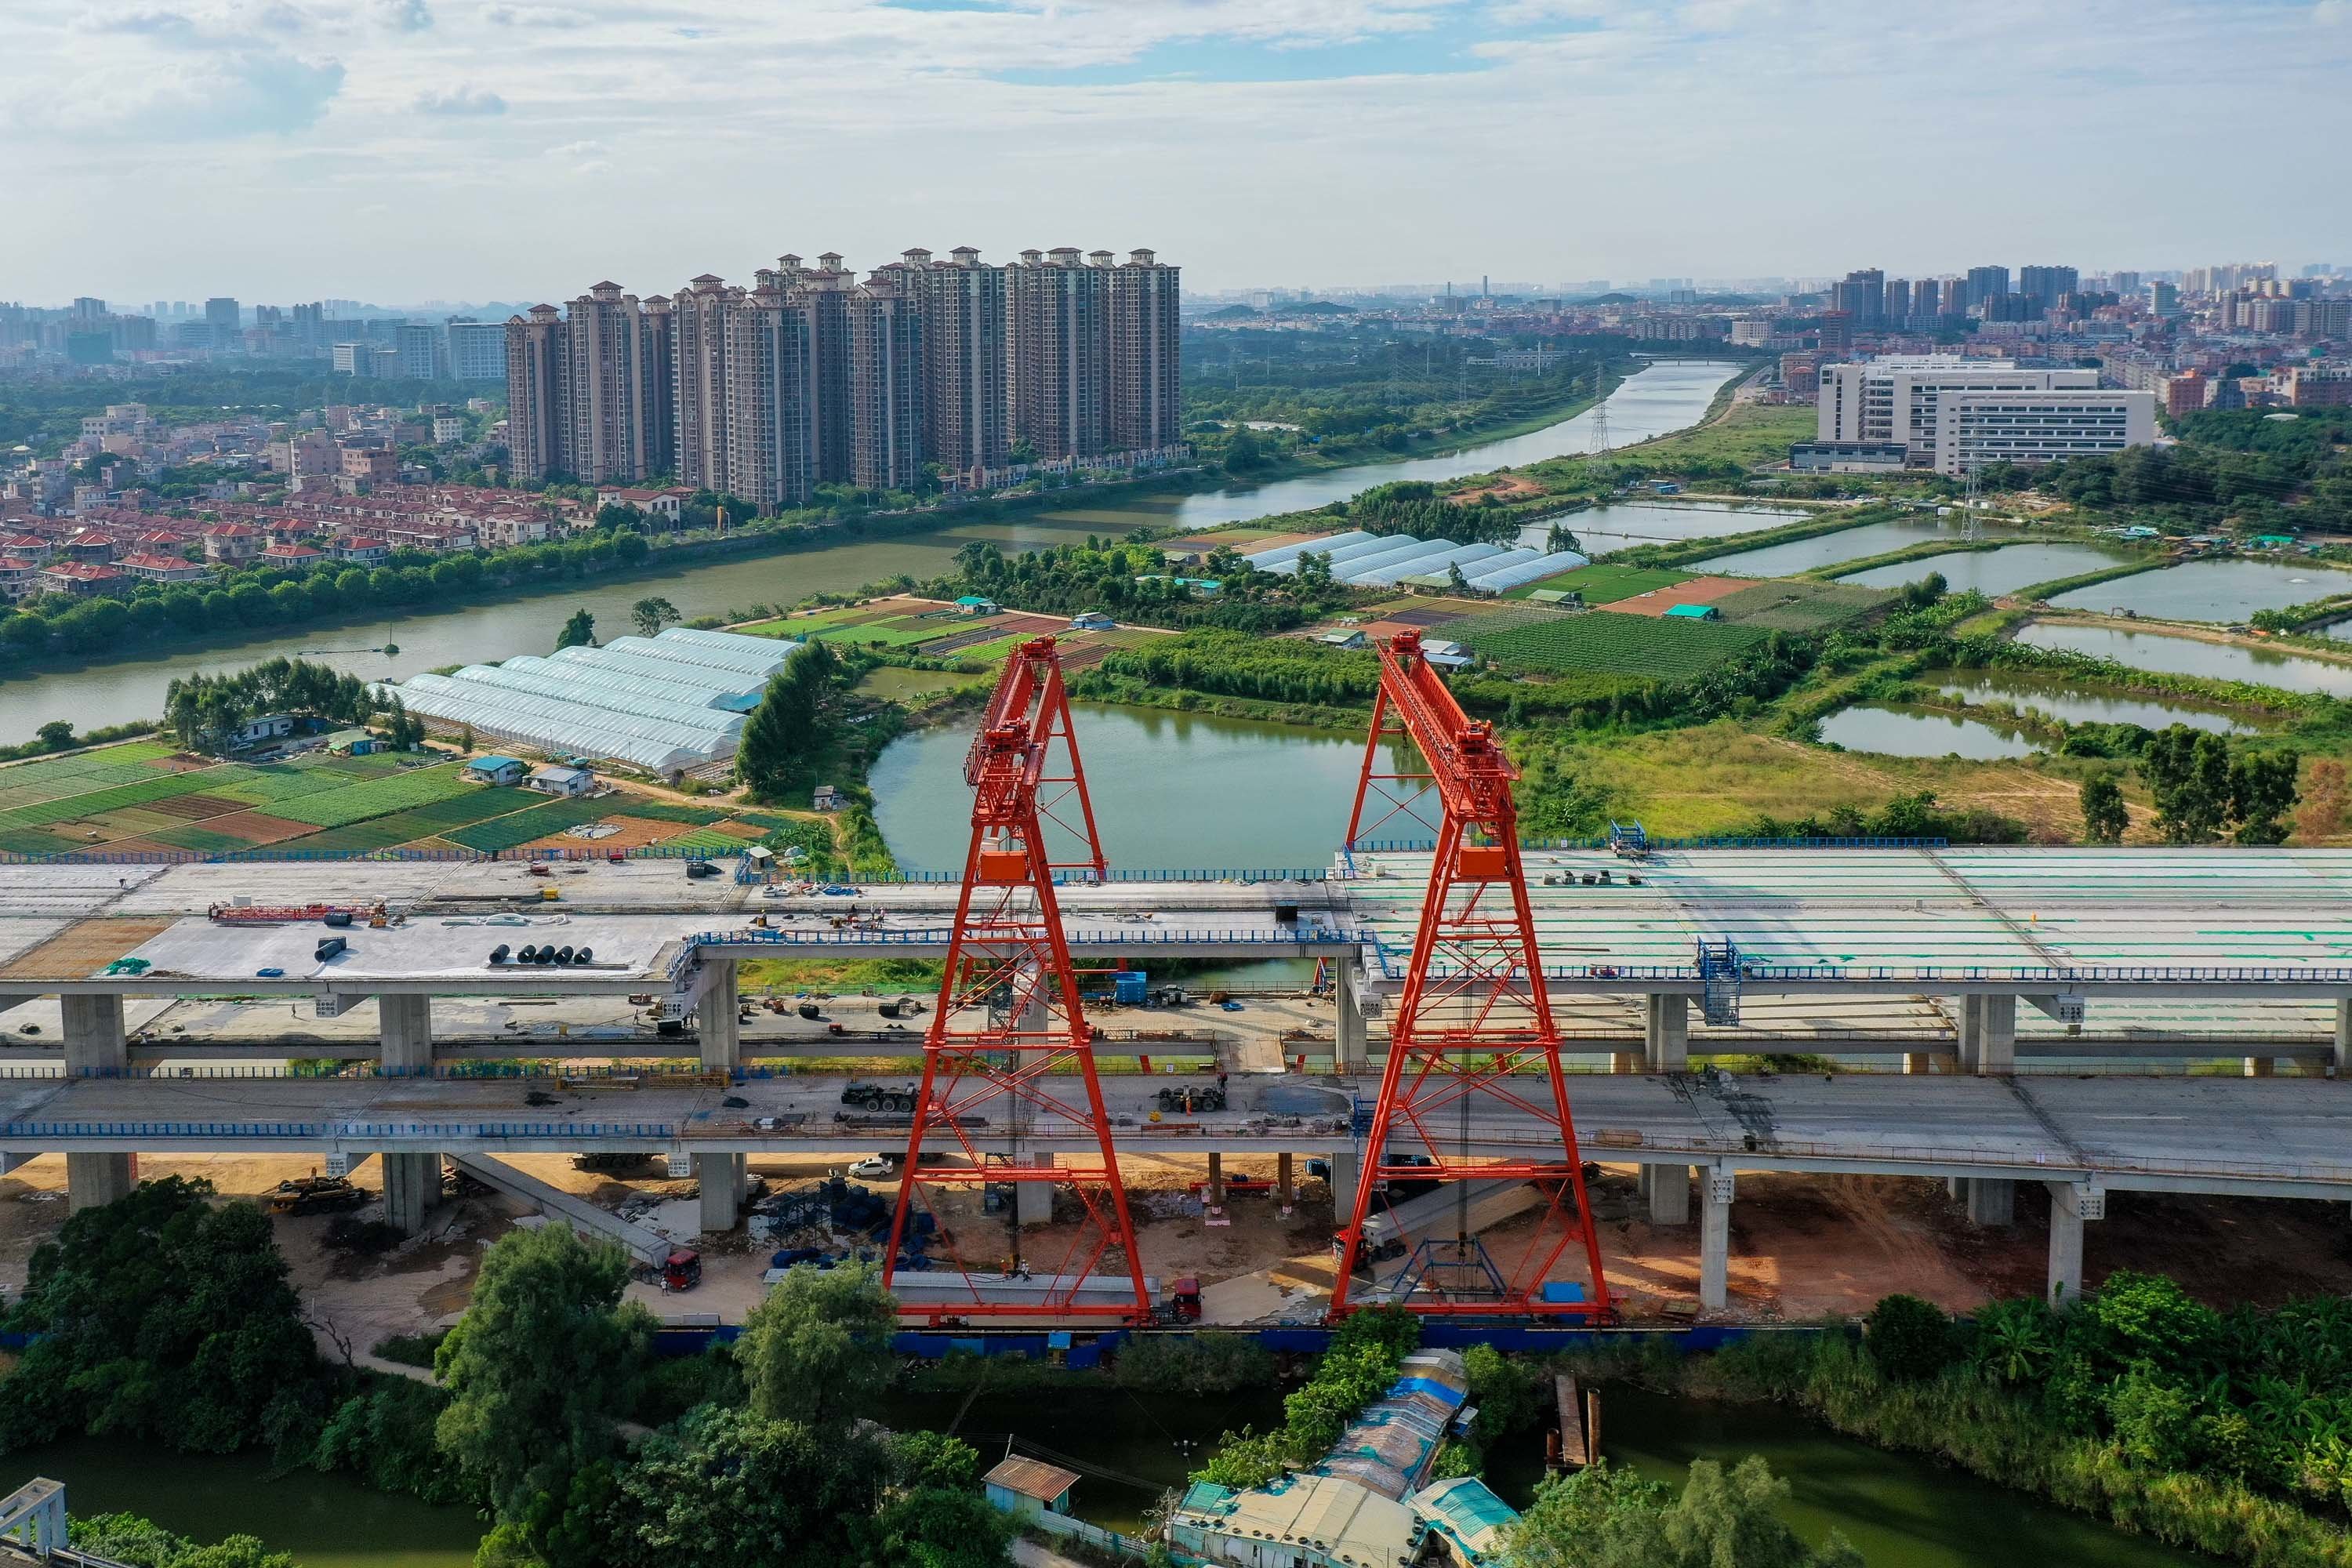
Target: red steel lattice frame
x,y
1008,1021
1473,1013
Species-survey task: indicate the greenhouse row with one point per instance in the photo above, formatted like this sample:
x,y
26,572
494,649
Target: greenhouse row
x,y
666,704
1377,561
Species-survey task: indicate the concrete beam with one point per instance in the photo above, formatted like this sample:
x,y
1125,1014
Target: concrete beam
x,y
2070,1203
718,1020
95,1045
1716,1186
1665,1043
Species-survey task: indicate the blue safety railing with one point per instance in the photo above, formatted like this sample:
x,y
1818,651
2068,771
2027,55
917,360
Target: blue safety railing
x,y
937,936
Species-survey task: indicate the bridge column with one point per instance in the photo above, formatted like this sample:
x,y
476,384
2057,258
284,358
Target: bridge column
x,y
2340,1065
1216,1187
412,1183
717,1020
1667,1188
1990,1200
2261,1067
1032,1201
1347,1170
95,1044
1286,1179
1714,1238
1350,1049
1666,1037
2070,1203
1988,1036
722,1177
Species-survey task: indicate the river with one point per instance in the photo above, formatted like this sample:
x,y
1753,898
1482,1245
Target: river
x,y
1657,400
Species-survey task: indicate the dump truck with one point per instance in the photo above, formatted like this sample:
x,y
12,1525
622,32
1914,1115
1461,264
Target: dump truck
x,y
862,1096
1191,1099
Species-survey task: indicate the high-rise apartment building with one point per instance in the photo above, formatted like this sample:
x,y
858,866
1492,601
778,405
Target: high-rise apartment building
x,y
477,350
698,320
1145,354
1985,283
962,305
1059,351
1926,298
2045,286
657,386
766,424
1861,295
1897,308
227,328
603,384
886,385
422,355
535,394
820,293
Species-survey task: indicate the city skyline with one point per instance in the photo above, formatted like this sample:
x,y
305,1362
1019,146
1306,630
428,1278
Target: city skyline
x,y
450,151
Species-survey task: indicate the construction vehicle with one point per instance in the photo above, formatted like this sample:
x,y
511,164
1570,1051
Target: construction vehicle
x,y
318,1194
623,1163
1182,1302
1393,1230
862,1096
682,1269
1191,1099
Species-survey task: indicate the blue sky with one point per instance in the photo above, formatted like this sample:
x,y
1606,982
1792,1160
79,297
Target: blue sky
x,y
405,150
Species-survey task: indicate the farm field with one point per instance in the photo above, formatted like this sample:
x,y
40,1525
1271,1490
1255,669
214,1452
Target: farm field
x,y
1605,585
1605,642
1796,604
145,798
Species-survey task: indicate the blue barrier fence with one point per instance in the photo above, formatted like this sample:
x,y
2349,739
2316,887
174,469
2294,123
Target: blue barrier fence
x,y
1303,1339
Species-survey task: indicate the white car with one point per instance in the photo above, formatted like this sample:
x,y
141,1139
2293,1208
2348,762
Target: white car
x,y
876,1165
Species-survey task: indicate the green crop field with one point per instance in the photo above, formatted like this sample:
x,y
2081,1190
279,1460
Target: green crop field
x,y
877,632
375,797
1797,606
522,827
268,783
663,811
201,839
381,833
1612,644
708,838
161,786
1605,585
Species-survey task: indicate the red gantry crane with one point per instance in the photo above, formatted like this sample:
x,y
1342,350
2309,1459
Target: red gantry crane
x,y
1474,1052
1009,1054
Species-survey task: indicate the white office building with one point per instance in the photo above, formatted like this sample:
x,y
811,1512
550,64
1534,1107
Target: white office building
x,y
1896,398
1975,426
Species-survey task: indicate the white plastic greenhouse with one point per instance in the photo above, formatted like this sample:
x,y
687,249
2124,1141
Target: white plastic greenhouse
x,y
1492,563
1495,579
664,704
1449,555
1363,550
1394,549
1267,560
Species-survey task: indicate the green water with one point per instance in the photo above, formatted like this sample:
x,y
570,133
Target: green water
x,y
1164,785
2080,704
1995,572
1914,732
325,1521
889,682
2188,655
2211,590
1900,1510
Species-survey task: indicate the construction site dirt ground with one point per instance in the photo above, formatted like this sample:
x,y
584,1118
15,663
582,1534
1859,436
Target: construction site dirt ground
x,y
1802,1246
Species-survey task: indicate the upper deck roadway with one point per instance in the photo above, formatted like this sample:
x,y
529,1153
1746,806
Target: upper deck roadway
x,y
2138,921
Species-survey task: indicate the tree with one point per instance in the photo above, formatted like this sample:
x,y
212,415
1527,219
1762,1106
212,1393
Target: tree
x,y
2104,816
538,1368
651,614
1908,1339
59,733
138,1542
2261,790
162,1317
1603,1516
818,1349
1454,579
788,731
2322,815
1558,539
580,631
732,1488
1243,452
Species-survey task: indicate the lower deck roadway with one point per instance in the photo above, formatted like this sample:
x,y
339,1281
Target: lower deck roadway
x,y
2290,1138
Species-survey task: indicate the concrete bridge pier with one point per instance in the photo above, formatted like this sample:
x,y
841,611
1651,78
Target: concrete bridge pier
x,y
2340,1061
1665,1039
1285,1179
1216,1187
722,1178
1032,1201
1667,1190
95,1043
412,1183
1989,1199
1716,1187
717,1017
1988,1036
1350,1048
2070,1203
1346,1172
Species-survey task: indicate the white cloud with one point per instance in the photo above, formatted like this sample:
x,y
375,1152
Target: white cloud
x,y
461,101
576,149
404,16
539,16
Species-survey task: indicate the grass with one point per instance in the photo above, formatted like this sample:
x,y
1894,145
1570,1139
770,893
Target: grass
x,y
272,783
163,786
382,833
201,840
1606,584
872,632
1612,644
705,839
1795,605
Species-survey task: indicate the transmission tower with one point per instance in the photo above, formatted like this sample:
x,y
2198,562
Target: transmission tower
x,y
1009,1049
1599,413
1474,1049
1969,499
